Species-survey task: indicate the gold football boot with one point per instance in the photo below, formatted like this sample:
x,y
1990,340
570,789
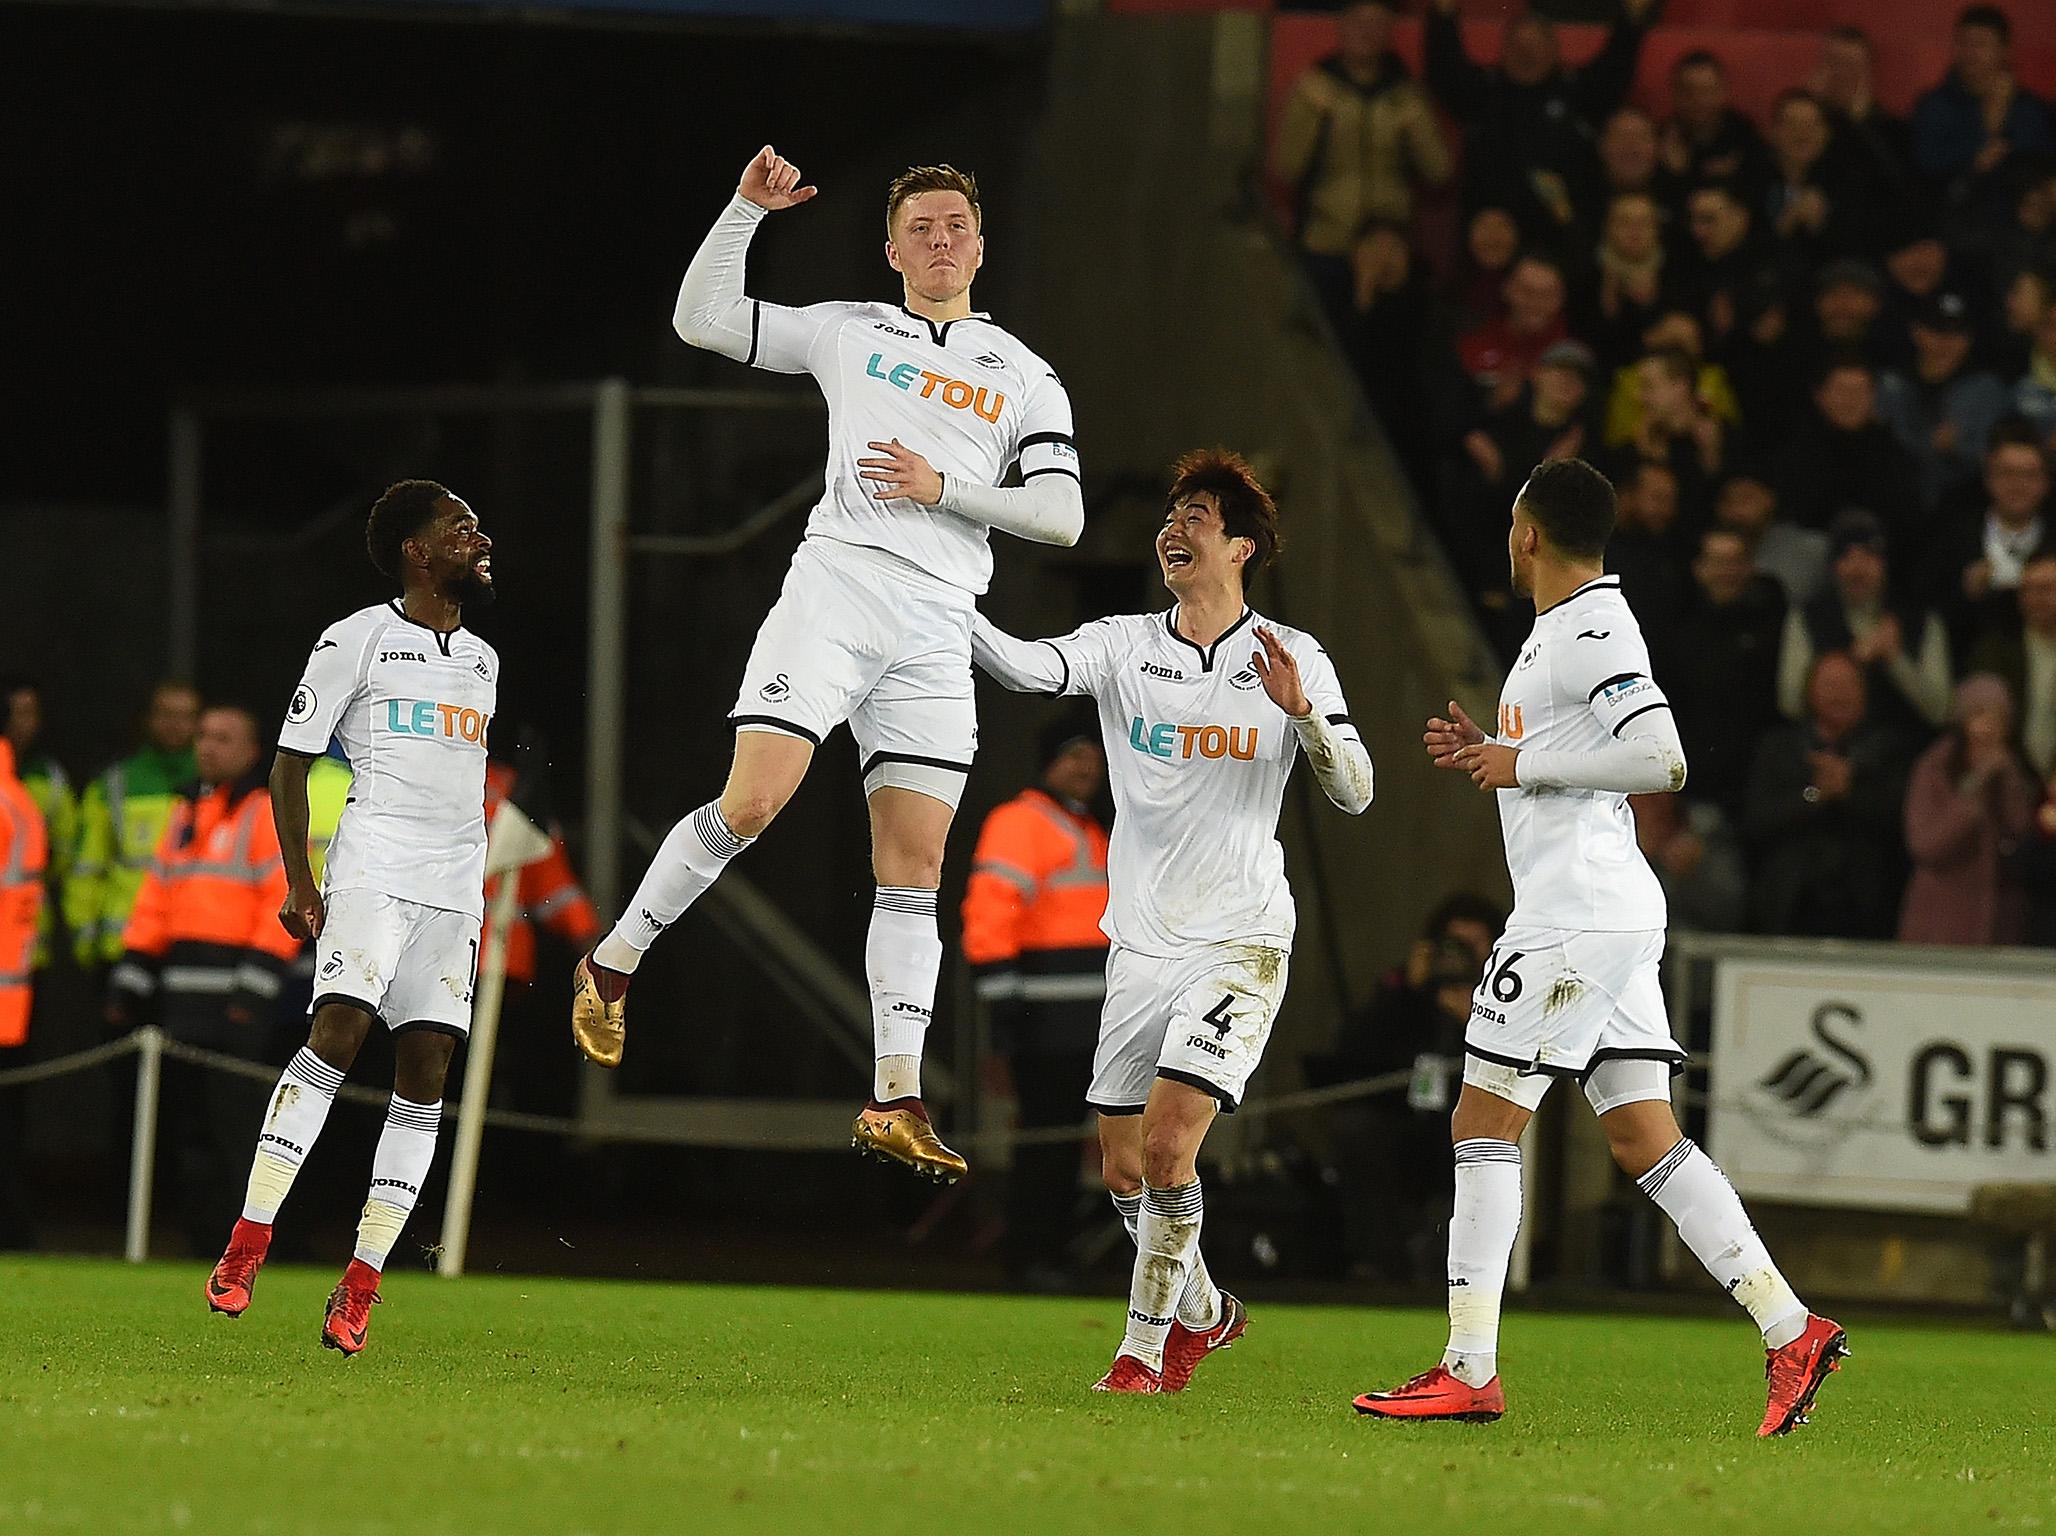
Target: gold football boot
x,y
600,1027
902,1134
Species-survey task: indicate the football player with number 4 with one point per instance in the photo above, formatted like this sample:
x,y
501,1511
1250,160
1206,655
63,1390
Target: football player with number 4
x,y
1205,709
1572,990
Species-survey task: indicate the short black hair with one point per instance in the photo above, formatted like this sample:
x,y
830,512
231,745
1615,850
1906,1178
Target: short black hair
x,y
2012,430
1573,504
1699,58
1247,510
397,516
1850,33
1990,17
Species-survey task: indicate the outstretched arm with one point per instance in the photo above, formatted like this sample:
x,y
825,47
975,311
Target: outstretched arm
x,y
1025,666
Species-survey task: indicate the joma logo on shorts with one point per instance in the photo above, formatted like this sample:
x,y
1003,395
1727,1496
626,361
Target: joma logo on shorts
x,y
957,394
1201,1043
1187,741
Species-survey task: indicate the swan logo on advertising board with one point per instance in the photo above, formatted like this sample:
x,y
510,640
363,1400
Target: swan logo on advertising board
x,y
1816,1094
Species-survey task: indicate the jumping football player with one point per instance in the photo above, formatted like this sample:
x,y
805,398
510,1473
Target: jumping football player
x,y
1205,709
409,692
1571,990
930,405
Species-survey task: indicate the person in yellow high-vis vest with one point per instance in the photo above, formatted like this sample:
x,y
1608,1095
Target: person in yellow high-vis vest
x,y
122,816
21,721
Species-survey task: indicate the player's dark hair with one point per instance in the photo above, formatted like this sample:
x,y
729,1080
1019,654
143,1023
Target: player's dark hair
x,y
916,179
1573,504
1247,511
1990,17
397,516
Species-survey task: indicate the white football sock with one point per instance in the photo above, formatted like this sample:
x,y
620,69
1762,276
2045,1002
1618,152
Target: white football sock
x,y
1697,1196
299,1108
1166,1239
1199,1308
902,957
398,1169
692,858
1481,1233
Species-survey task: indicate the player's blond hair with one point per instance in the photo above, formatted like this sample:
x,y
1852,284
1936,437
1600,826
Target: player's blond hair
x,y
916,179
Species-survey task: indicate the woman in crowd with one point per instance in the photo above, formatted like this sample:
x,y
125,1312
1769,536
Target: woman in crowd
x,y
1969,805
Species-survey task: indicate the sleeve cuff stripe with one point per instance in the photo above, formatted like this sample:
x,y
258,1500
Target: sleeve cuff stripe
x,y
1638,714
1045,437
1052,469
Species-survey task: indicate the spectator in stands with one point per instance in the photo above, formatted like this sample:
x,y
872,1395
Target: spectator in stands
x,y
1358,132
1794,557
1547,420
1843,456
24,851
49,786
1707,139
2025,660
2036,865
1643,551
1628,295
2028,297
1918,270
1629,160
1673,330
1396,337
1981,547
1491,245
1900,644
1812,202
1878,145
1395,1153
1845,320
1721,671
1692,846
1823,816
1729,269
2034,395
1942,409
1970,802
1678,431
1501,354
2028,242
1529,120
1966,127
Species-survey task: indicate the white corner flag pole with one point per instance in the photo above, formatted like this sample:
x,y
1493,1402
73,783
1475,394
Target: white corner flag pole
x,y
512,843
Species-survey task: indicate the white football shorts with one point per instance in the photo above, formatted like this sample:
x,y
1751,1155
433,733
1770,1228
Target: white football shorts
x,y
861,635
410,965
1202,1019
1557,1002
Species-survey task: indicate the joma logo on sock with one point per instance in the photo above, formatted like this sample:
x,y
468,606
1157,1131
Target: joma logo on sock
x,y
280,1141
913,1008
412,1189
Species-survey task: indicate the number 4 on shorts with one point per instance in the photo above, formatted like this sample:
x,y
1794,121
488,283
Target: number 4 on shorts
x,y
1219,1017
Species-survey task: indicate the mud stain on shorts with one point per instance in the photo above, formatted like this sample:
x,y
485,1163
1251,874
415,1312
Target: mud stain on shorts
x,y
1566,989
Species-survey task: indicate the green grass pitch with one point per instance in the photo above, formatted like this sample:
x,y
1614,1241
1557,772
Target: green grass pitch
x,y
506,1406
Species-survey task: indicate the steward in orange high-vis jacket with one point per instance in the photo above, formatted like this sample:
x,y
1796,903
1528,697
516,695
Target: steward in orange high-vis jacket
x,y
24,854
1032,909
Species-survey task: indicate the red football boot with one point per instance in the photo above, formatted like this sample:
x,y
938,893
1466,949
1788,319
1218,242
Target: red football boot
x,y
235,1275
1796,1372
1437,1395
349,1308
1130,1375
1184,1349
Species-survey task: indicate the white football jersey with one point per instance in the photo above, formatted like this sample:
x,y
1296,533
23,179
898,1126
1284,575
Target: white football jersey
x,y
411,706
1197,756
1583,674
964,394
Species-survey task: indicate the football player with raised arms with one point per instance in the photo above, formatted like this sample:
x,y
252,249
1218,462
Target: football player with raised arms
x,y
931,406
409,693
1204,708
1571,990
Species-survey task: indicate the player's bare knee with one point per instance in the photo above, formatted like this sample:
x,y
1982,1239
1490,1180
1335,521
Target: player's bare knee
x,y
1639,1144
337,1034
1123,1175
749,811
1168,1152
421,1064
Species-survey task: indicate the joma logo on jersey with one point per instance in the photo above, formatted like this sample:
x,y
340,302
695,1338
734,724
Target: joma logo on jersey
x,y
425,717
957,394
1188,741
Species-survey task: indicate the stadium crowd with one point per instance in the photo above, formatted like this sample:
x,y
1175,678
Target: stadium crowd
x,y
1818,356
